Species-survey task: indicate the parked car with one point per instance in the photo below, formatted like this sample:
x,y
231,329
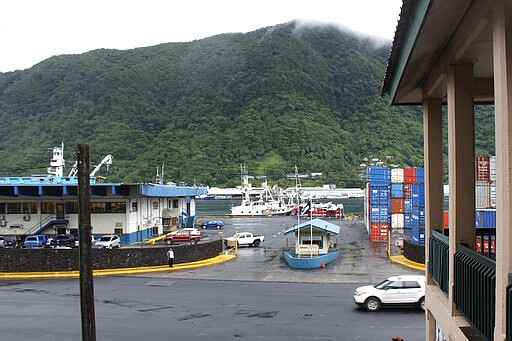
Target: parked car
x,y
182,237
395,290
244,238
35,241
62,240
10,241
108,241
218,224
191,230
77,241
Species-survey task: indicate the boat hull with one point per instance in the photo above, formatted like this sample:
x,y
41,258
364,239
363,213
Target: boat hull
x,y
309,263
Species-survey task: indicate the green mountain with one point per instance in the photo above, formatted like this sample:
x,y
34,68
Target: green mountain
x,y
273,98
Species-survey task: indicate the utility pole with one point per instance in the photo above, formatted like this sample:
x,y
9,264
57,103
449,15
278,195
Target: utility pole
x,y
85,249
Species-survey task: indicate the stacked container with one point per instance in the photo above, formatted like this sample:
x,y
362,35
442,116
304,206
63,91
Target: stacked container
x,y
401,191
378,194
485,182
418,214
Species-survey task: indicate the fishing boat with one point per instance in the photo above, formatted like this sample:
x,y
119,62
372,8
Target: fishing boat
x,y
266,204
319,210
315,244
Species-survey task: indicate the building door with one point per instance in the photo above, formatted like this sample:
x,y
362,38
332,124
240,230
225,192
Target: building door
x,y
60,213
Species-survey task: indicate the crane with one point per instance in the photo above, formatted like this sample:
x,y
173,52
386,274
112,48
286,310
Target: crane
x,y
107,160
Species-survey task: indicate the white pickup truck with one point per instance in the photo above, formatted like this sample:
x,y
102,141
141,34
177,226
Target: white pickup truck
x,y
244,238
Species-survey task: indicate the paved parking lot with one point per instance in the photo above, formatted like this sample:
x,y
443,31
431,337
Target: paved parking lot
x,y
360,261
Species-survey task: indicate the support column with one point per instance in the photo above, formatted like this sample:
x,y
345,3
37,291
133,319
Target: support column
x,y
433,154
461,161
502,55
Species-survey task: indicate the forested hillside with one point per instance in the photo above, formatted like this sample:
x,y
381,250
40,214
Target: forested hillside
x,y
273,98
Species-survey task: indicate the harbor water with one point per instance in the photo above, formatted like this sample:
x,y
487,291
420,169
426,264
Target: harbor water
x,y
218,207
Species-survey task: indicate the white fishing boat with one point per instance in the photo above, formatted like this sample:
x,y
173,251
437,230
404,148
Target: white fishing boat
x,y
265,205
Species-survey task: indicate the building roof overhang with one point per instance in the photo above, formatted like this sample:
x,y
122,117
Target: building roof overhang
x,y
431,35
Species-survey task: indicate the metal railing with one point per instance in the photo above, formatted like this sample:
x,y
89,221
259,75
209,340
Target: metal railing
x,y
474,289
439,262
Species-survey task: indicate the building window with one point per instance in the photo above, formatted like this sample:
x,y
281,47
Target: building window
x,y
108,207
175,203
71,207
14,208
48,207
134,206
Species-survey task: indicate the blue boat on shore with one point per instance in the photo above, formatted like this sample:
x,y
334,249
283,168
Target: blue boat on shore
x,y
314,247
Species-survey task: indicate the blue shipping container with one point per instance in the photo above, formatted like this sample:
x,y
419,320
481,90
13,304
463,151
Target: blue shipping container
x,y
397,191
418,217
407,205
418,236
418,195
379,213
379,195
420,175
407,220
379,176
485,218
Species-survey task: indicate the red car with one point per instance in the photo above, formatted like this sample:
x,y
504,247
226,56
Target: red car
x,y
182,237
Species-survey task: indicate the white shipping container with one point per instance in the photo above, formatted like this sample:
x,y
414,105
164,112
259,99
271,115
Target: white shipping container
x,y
397,175
493,195
482,194
397,221
492,168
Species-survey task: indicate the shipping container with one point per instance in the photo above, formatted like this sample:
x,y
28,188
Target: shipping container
x,y
378,232
418,216
408,190
379,213
410,175
418,195
492,198
397,175
420,175
418,236
397,190
379,195
397,221
446,219
407,205
482,169
378,176
407,220
397,205
482,194
485,240
492,168
485,218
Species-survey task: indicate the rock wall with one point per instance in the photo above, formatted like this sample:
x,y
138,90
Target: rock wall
x,y
41,260
414,252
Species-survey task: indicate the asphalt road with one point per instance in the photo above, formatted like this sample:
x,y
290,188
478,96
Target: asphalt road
x,y
129,308
253,297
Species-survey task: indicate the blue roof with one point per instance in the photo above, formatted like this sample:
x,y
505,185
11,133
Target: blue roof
x,y
317,224
170,191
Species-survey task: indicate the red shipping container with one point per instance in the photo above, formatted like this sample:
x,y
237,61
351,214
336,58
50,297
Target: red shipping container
x,y
408,191
397,205
446,222
410,175
378,232
482,168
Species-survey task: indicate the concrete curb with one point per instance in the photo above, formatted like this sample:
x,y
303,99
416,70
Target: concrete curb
x,y
112,272
406,262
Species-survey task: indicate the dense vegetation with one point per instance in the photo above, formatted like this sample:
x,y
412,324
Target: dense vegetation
x,y
272,99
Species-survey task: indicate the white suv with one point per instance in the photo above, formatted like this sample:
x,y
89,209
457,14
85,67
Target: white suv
x,y
395,290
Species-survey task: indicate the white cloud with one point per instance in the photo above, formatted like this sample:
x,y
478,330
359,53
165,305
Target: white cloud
x,y
33,30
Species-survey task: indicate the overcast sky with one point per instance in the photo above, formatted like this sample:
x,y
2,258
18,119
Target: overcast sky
x,y
33,30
